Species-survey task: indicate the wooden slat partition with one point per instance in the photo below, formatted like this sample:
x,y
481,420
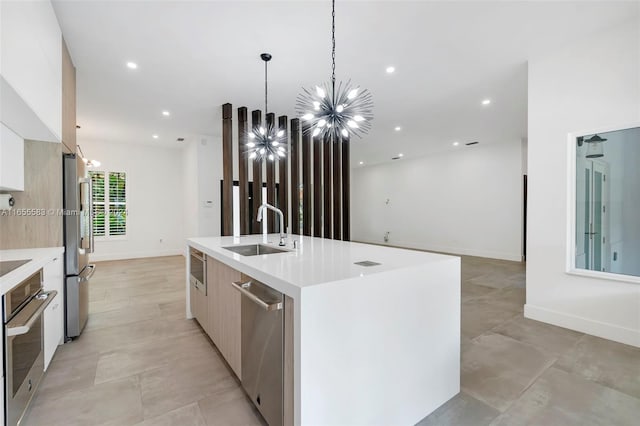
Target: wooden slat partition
x,y
227,169
243,172
320,168
271,181
283,182
294,158
327,217
337,191
317,187
306,182
346,191
256,121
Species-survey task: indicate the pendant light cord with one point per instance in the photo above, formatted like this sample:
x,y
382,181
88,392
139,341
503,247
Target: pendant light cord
x,y
265,88
333,47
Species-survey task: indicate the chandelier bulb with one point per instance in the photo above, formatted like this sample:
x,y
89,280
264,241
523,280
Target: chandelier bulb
x,y
352,94
253,155
320,92
280,133
345,133
321,123
251,144
252,136
261,130
271,157
340,108
358,118
308,116
316,131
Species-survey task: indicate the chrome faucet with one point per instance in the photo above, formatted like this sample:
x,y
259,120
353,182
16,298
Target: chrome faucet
x,y
276,210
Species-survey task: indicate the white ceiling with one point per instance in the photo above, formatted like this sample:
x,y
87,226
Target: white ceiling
x,y
193,56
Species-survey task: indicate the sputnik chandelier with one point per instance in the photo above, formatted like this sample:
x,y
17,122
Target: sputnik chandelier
x,y
266,141
333,111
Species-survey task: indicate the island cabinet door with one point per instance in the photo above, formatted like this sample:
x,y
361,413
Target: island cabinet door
x,y
224,312
199,306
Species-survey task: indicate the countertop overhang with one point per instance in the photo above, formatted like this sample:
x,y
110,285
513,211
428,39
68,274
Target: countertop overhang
x,y
39,257
315,261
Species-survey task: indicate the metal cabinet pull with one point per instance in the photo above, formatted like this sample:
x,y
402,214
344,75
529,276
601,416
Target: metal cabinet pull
x,y
243,288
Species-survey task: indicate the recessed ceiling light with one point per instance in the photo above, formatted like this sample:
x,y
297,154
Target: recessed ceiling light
x,y
132,65
154,136
166,113
456,143
398,128
391,70
361,163
401,155
486,102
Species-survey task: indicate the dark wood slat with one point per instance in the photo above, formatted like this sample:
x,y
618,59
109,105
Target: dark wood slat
x,y
294,158
227,170
317,187
327,190
243,172
256,121
283,184
337,191
306,181
271,181
346,191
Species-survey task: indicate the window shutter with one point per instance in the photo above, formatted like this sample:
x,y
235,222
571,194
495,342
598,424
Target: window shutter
x,y
98,213
117,203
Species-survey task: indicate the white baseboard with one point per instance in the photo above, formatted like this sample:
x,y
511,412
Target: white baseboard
x,y
584,325
451,250
96,257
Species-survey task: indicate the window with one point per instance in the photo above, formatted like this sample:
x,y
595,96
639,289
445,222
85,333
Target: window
x,y
606,191
109,203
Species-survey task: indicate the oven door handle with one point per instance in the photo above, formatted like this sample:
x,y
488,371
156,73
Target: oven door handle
x,y
22,323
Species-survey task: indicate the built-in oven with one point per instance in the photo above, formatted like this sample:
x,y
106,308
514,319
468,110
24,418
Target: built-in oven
x,y
198,270
24,306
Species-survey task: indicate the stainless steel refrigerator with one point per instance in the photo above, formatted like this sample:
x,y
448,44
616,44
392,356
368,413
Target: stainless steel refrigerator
x,y
78,242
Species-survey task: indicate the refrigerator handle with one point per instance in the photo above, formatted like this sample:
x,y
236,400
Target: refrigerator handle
x,y
91,240
86,201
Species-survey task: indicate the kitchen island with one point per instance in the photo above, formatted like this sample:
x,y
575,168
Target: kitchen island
x,y
377,344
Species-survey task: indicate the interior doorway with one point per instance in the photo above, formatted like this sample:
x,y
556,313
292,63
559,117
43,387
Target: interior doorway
x,y
592,248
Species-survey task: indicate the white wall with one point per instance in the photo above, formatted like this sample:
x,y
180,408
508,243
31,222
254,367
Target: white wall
x,y
154,195
202,159
467,201
589,85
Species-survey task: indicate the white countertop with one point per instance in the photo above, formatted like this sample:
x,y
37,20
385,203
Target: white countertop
x,y
39,257
315,261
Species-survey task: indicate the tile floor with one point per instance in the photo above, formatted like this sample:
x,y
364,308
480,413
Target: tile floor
x,y
139,362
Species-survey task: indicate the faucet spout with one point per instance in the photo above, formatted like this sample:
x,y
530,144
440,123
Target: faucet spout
x,y
279,212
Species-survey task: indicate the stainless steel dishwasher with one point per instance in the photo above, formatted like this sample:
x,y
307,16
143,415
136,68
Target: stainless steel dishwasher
x,y
262,348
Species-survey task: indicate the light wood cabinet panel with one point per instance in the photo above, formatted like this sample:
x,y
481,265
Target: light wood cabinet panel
x,y
43,192
199,307
68,101
225,312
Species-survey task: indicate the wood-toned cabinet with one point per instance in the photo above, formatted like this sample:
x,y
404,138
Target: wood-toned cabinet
x,y
225,312
199,305
68,102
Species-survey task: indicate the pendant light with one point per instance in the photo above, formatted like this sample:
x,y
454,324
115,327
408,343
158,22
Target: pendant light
x,y
333,111
266,141
594,147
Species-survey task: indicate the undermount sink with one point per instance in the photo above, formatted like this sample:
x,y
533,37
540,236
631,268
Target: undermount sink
x,y
255,249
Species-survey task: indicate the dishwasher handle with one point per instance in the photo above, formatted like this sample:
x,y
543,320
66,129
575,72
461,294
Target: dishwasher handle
x,y
244,289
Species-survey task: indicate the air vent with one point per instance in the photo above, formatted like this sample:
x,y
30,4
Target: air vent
x,y
367,263
180,139
472,143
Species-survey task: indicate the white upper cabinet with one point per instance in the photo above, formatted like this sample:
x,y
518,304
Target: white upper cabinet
x,y
11,160
31,70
